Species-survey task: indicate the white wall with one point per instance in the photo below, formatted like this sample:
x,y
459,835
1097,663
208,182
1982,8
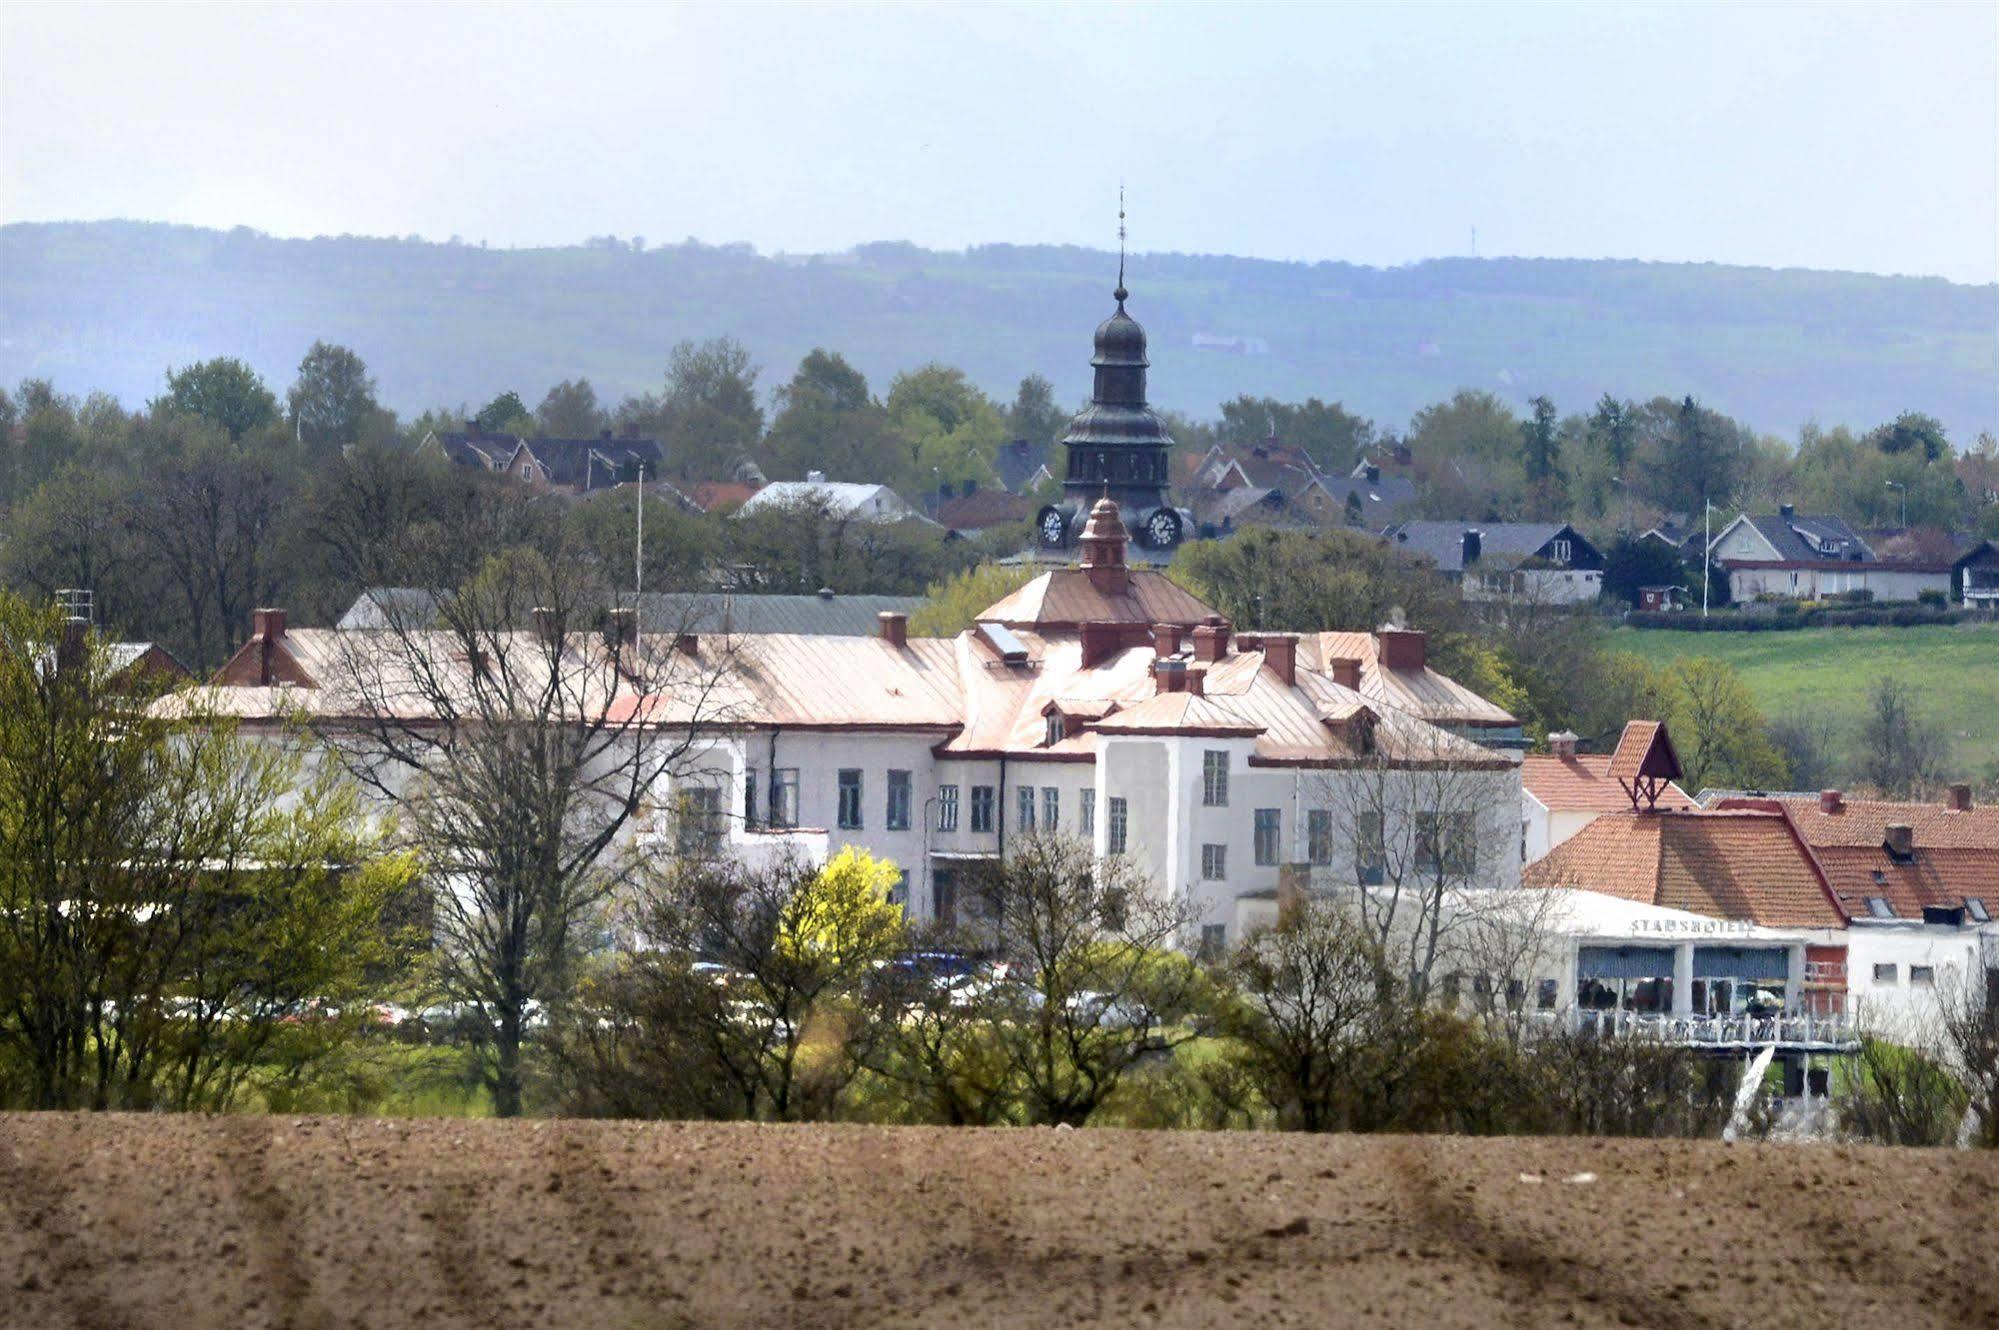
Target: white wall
x,y
1897,1007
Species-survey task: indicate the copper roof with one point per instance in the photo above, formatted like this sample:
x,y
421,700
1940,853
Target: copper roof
x,y
1744,865
1582,784
1065,597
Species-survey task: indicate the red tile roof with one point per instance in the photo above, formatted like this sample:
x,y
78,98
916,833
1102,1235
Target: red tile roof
x,y
1746,865
1583,784
1866,822
1933,877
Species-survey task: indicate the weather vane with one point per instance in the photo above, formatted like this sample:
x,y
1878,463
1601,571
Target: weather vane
x,y
1120,242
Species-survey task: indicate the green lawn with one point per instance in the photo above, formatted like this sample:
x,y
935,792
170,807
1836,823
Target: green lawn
x,y
1954,670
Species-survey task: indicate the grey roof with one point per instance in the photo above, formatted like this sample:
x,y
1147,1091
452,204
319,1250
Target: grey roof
x,y
1443,542
1383,498
390,606
1803,538
822,615
1018,462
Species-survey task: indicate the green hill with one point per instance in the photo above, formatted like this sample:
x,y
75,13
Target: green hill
x,y
1828,671
111,304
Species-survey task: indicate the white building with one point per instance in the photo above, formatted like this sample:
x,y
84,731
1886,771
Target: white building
x,y
1102,701
851,500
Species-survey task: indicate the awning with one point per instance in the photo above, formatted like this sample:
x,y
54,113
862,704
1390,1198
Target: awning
x,y
1624,963
1742,963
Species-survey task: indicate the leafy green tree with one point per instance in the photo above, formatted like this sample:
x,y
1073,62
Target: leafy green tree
x,y
171,893
1717,730
1331,436
225,391
1468,452
75,532
1034,415
949,606
826,421
1631,562
332,402
1540,450
950,431
1311,581
1696,455
505,414
709,418
1914,433
1613,429
570,411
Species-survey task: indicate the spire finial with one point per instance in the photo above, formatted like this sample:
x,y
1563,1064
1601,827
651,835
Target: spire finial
x,y
1120,293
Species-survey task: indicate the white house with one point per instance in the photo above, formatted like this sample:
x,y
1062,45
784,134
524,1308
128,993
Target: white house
x,y
1796,556
1545,563
839,498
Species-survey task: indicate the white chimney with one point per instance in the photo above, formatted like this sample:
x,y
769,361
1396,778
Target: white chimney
x,y
815,477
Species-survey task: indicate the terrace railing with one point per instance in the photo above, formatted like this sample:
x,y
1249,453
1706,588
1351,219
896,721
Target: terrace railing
x,y
1815,1031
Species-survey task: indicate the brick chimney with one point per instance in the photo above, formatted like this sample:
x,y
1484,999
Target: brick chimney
x,y
1211,639
1197,680
1402,649
1101,640
1169,675
1831,801
1345,671
547,625
1900,841
1474,546
270,630
1280,653
1959,799
1562,743
894,628
72,647
1165,639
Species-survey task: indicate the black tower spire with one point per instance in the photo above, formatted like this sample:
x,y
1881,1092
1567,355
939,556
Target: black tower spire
x,y
1116,445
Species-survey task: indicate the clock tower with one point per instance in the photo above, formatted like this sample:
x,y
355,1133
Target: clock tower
x,y
1116,445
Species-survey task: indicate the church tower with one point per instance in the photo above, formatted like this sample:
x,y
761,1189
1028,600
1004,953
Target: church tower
x,y
1116,445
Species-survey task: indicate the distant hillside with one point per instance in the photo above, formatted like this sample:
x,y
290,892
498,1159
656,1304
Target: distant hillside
x,y
112,304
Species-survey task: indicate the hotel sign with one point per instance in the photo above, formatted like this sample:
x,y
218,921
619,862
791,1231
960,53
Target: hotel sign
x,y
1692,927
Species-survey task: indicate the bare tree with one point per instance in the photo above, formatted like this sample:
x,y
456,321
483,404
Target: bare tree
x,y
519,749
1902,753
1096,983
1420,820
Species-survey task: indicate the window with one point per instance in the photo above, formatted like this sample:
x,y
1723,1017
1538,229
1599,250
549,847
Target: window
x,y
1545,992
1445,844
1879,907
1051,807
749,796
1268,826
1214,941
1319,836
1922,976
850,798
896,817
1119,824
1370,851
698,825
1215,779
1054,732
1561,550
982,809
784,797
944,891
1024,797
947,808
1215,863
899,893
1975,907
1884,974
1086,812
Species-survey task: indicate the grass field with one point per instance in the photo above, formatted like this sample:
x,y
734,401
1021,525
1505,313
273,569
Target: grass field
x,y
1954,670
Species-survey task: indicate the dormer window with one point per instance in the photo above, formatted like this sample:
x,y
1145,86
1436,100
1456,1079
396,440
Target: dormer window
x,y
1054,731
1975,907
1879,908
1561,550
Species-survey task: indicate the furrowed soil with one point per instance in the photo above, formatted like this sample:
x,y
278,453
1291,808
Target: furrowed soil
x,y
130,1221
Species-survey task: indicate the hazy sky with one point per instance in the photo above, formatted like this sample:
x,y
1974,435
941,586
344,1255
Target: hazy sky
x,y
1791,135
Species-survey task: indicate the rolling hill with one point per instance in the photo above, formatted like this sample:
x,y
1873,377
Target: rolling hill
x,y
111,304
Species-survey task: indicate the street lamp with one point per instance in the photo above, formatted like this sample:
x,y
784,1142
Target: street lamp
x,y
1903,486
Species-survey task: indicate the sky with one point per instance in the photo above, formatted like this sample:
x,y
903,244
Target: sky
x,y
1794,135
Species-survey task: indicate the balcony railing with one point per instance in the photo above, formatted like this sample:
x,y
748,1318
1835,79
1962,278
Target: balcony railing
x,y
1791,1029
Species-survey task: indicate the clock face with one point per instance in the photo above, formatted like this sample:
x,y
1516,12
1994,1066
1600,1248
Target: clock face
x,y
1163,528
1051,527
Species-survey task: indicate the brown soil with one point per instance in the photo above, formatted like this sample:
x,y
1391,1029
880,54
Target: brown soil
x,y
318,1222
